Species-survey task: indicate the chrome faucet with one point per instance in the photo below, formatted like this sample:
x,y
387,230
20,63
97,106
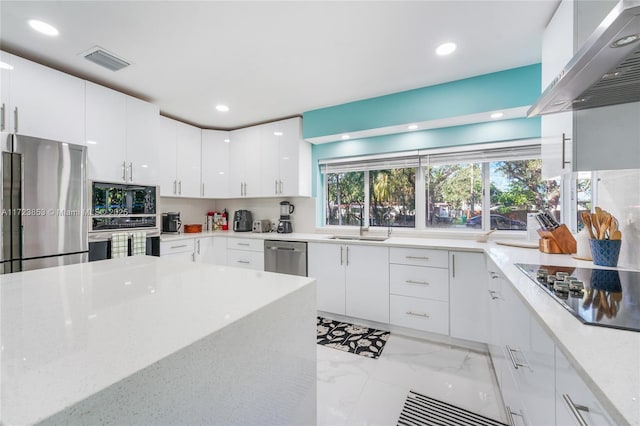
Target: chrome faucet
x,y
363,229
387,217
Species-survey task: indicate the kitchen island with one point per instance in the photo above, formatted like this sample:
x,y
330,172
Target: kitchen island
x,y
146,340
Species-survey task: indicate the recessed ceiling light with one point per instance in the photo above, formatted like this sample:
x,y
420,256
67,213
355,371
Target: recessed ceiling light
x,y
5,66
412,126
227,140
43,27
278,133
497,115
144,166
220,173
222,108
446,48
345,137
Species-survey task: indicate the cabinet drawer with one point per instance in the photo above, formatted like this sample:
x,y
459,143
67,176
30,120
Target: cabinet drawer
x,y
178,246
419,281
246,259
245,244
420,257
421,314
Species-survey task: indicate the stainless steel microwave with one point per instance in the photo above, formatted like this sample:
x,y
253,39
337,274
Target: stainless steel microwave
x,y
123,206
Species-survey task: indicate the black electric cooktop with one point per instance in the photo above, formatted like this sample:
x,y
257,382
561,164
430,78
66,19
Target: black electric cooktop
x,y
609,298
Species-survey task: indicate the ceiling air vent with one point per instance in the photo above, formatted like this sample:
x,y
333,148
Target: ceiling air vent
x,y
108,60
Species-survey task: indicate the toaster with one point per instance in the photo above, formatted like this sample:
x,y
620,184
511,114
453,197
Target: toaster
x,y
263,225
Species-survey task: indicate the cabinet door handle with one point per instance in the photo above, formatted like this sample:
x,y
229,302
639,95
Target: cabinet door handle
x,y
203,189
493,295
564,153
243,244
2,119
575,409
416,282
175,182
418,314
276,190
347,263
124,171
179,187
417,257
183,245
515,363
341,250
246,262
281,186
130,172
193,257
453,265
512,413
15,119
198,246
494,275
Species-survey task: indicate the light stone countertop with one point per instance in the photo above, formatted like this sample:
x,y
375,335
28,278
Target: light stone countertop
x,y
607,359
71,331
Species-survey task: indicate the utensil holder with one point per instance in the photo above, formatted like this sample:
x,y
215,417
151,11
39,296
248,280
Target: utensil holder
x,y
557,241
605,252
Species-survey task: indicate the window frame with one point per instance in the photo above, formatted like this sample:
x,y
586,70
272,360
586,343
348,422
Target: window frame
x,y
380,161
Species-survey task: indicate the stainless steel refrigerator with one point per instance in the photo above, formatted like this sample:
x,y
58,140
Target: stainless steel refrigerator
x,y
43,202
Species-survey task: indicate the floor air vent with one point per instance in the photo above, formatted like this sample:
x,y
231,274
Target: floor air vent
x,y
105,59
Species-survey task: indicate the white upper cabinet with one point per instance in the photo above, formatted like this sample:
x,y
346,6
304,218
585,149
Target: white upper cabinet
x,y
270,160
5,80
121,136
286,166
215,163
43,102
188,141
143,155
244,162
557,129
105,133
179,163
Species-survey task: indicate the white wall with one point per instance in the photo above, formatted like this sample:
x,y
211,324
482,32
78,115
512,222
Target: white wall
x,y
618,192
192,210
303,219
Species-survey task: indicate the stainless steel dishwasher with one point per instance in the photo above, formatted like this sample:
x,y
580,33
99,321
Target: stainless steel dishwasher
x,y
285,257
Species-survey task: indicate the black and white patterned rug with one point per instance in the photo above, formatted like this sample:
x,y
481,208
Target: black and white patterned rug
x,y
420,410
352,338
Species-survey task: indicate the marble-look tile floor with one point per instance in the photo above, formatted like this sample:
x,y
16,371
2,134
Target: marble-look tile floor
x,y
355,390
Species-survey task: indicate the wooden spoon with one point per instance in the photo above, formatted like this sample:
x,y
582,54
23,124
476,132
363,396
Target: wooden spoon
x,y
613,227
604,226
586,219
595,221
617,235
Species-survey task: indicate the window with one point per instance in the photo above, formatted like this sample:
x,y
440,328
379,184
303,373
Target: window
x,y
449,189
454,195
345,198
392,197
584,196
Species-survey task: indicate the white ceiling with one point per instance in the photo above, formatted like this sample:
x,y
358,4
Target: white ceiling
x,y
267,60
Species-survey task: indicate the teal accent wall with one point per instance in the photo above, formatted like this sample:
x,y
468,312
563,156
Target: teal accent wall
x,y
499,90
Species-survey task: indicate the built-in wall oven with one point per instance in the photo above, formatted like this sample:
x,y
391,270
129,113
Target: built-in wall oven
x,y
117,208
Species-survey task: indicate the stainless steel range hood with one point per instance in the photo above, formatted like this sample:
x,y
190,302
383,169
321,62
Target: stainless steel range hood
x,y
605,71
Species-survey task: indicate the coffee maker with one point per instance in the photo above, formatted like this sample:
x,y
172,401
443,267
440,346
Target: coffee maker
x,y
171,223
286,208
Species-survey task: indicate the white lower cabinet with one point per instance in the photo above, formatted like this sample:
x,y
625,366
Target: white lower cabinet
x,y
325,263
351,280
212,250
245,253
468,288
575,403
178,249
421,314
419,289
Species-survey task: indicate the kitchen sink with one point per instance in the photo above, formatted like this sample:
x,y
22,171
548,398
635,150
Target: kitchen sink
x,y
357,238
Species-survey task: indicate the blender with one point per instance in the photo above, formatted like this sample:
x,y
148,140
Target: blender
x,y
286,208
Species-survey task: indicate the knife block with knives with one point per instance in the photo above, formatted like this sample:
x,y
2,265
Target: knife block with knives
x,y
554,237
